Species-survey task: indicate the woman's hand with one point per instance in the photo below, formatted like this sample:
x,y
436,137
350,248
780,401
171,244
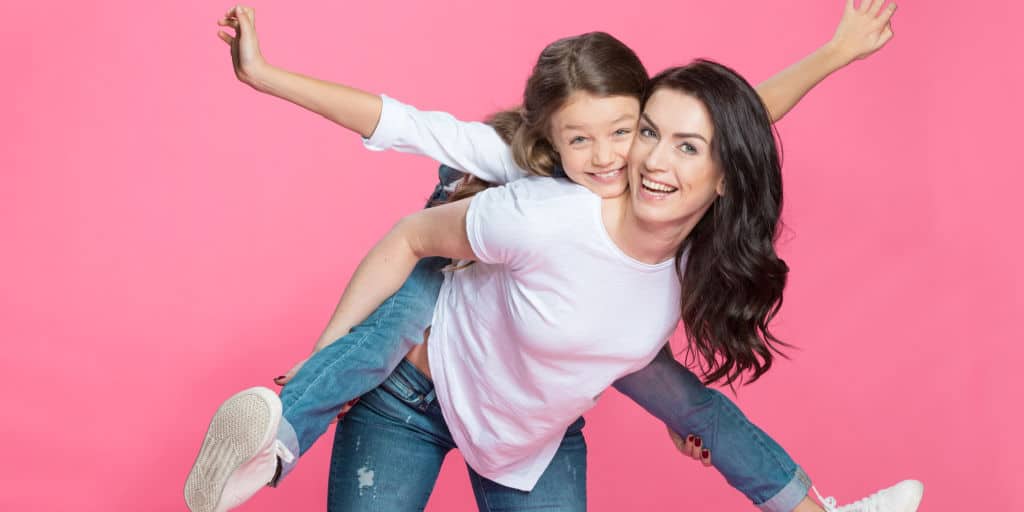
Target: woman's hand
x,y
287,377
691,447
245,48
863,30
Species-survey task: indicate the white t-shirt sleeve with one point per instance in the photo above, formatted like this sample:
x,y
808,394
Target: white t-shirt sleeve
x,y
472,147
501,226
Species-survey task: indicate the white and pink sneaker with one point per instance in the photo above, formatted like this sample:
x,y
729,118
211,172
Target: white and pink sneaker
x,y
902,497
239,455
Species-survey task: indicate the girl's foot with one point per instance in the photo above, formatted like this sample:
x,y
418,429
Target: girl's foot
x,y
902,497
239,454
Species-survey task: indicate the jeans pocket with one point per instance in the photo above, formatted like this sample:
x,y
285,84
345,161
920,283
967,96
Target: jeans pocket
x,y
402,389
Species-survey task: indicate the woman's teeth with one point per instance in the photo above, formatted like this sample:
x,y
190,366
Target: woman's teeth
x,y
657,187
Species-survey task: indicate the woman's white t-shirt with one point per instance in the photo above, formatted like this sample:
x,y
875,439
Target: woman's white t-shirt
x,y
524,341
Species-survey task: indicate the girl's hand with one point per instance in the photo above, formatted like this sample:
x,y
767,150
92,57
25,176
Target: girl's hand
x,y
245,48
691,447
863,30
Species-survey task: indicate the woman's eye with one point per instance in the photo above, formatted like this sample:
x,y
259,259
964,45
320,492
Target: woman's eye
x,y
688,148
647,132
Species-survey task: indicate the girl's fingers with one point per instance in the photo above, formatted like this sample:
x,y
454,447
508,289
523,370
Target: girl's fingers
x,y
887,14
886,36
876,6
224,36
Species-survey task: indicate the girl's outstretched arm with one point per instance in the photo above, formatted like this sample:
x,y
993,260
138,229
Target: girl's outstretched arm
x,y
347,106
471,147
862,31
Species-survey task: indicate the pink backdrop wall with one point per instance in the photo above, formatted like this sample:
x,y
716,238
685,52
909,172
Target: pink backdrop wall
x,y
170,236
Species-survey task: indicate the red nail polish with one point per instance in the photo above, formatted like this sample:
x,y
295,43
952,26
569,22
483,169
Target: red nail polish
x,y
689,438
705,453
696,442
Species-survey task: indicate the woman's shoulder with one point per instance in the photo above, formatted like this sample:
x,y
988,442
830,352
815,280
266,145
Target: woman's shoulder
x,y
541,188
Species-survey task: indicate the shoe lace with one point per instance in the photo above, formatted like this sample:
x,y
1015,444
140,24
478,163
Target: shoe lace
x,y
868,504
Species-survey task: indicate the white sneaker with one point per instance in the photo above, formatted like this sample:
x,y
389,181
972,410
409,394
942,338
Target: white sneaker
x,y
902,497
239,454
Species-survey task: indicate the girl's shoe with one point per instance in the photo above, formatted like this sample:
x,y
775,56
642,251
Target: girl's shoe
x,y
239,455
902,497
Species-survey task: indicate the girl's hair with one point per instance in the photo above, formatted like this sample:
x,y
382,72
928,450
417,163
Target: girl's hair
x,y
596,63
733,281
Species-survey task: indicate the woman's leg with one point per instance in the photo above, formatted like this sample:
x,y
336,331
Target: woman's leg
x,y
389,448
562,487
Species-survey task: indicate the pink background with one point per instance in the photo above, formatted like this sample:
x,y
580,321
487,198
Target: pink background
x,y
170,236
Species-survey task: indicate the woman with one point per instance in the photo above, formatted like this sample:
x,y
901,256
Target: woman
x,y
340,308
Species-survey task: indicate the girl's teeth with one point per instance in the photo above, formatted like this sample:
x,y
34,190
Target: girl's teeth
x,y
608,174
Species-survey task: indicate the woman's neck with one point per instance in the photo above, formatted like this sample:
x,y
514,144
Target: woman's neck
x,y
644,241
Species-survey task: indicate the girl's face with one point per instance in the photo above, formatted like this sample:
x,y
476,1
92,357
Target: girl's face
x,y
673,177
592,135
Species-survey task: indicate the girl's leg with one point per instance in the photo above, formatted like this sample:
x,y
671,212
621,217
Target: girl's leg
x,y
389,448
255,437
359,361
362,359
562,487
748,458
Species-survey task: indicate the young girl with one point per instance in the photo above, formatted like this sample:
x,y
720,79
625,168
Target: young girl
x,y
592,158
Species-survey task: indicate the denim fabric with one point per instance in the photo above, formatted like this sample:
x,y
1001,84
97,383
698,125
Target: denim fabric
x,y
389,448
359,361
751,461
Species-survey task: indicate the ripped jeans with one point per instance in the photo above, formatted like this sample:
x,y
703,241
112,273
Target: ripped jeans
x,y
389,448
360,361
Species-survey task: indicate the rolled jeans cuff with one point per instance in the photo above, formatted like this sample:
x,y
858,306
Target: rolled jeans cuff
x,y
286,434
790,496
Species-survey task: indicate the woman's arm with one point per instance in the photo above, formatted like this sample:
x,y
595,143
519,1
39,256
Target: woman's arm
x,y
438,231
468,146
862,31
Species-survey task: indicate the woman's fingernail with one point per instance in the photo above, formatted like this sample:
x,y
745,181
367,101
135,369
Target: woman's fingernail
x,y
705,454
696,442
279,377
689,438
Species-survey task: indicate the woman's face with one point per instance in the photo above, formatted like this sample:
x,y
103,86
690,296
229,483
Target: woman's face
x,y
672,175
592,135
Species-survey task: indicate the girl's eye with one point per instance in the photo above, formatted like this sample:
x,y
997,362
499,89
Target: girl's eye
x,y
577,139
623,131
647,132
688,148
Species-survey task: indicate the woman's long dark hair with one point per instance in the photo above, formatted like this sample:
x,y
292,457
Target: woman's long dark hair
x,y
733,279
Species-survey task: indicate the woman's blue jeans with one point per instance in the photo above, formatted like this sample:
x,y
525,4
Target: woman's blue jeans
x,y
362,360
389,448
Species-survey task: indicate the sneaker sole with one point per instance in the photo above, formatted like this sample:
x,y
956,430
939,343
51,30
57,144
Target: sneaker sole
x,y
241,426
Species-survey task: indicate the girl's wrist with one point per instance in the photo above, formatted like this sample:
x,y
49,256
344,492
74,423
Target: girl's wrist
x,y
257,75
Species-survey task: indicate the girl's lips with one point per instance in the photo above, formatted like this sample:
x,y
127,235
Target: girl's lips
x,y
607,177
